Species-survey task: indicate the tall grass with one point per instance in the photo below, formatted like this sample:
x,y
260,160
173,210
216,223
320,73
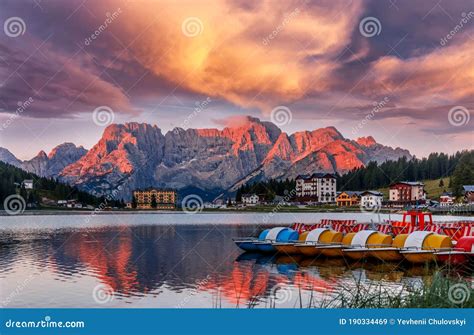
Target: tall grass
x,y
439,292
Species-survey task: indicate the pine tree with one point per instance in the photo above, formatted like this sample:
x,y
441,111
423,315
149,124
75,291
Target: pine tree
x,y
464,173
154,204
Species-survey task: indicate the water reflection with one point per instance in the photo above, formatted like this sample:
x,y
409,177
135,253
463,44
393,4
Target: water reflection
x,y
170,266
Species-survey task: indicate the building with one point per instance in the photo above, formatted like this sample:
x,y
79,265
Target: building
x,y
348,198
280,200
250,199
155,198
319,187
27,184
371,199
406,192
468,193
446,199
72,203
211,205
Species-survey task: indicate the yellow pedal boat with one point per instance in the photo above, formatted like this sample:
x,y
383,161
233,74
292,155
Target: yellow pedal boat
x,y
317,238
389,253
290,247
364,241
421,246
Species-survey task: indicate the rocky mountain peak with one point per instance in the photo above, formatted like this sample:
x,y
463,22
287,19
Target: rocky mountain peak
x,y
366,141
207,159
51,165
41,155
66,148
7,157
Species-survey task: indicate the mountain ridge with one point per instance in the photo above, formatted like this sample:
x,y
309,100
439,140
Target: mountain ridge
x,y
136,155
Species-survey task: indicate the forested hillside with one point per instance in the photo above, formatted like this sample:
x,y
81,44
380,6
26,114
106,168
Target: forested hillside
x,y
458,168
10,183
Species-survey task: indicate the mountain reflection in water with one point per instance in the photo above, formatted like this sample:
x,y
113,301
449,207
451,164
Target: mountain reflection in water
x,y
171,266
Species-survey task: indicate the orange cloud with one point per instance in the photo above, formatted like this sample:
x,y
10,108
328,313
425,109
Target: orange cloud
x,y
442,76
253,58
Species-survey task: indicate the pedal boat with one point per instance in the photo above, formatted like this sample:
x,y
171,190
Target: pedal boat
x,y
289,247
317,238
389,253
275,235
462,254
250,243
335,249
363,241
422,246
247,243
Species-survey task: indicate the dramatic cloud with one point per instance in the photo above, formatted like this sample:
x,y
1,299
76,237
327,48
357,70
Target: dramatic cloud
x,y
59,86
139,57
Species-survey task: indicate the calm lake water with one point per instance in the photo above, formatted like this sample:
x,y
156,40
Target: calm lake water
x,y
170,260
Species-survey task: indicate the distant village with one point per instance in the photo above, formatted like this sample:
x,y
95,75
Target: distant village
x,y
318,189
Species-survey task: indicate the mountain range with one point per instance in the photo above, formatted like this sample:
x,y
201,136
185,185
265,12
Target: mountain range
x,y
138,155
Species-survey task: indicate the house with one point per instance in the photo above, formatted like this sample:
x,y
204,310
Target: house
x,y
446,199
371,199
27,184
281,200
407,192
152,198
211,205
71,203
250,199
468,191
319,187
348,198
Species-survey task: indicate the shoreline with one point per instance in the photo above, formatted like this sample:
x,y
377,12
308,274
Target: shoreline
x,y
213,211
264,213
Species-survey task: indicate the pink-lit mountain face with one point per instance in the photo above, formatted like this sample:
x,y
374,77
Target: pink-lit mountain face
x,y
134,155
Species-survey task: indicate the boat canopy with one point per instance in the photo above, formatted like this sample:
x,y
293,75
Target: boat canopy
x,y
361,237
273,233
263,234
313,235
416,239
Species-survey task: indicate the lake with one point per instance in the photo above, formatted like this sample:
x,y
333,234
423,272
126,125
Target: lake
x,y
173,260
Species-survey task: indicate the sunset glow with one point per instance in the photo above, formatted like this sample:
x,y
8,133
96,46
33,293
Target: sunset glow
x,y
153,61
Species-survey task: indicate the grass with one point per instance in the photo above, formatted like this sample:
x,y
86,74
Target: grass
x,y
438,292
433,189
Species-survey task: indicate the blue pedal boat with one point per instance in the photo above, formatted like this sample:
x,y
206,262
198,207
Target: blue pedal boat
x,y
264,241
249,243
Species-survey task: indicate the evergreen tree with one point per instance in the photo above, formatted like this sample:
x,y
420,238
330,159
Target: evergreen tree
x,y
463,174
11,178
375,175
238,195
154,204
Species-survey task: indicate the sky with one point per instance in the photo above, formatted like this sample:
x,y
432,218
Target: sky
x,y
400,71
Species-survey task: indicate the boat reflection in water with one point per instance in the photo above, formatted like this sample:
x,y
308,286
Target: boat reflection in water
x,y
172,266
